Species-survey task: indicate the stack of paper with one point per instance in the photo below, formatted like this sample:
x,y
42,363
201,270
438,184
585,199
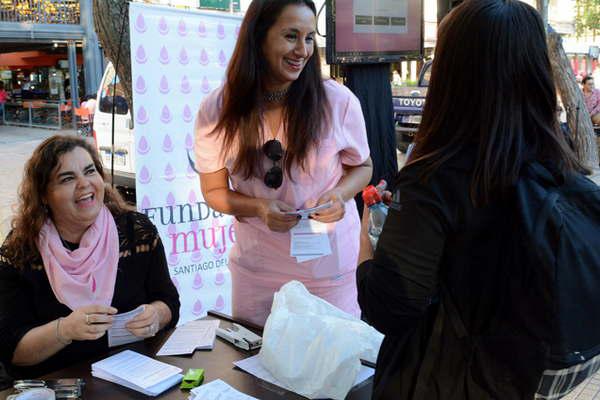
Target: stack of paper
x,y
189,337
217,390
137,372
253,366
118,333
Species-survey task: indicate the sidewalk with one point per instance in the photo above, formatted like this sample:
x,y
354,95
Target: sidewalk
x,y
16,146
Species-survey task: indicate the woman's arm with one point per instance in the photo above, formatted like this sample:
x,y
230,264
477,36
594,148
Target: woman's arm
x,y
42,342
355,178
396,287
218,195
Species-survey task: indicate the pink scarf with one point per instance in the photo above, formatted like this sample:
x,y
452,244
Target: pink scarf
x,y
87,275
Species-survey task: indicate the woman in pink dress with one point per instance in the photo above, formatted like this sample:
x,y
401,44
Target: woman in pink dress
x,y
275,138
592,99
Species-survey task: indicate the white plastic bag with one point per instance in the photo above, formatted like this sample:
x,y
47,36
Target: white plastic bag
x,y
312,347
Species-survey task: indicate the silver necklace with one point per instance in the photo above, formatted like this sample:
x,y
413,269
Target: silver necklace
x,y
276,96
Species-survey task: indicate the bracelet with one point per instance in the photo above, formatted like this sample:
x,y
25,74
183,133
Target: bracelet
x,y
58,337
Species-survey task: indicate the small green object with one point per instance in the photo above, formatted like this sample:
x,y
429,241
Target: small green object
x,y
192,378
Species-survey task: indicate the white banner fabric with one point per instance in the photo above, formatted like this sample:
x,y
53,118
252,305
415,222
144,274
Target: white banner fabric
x,y
177,58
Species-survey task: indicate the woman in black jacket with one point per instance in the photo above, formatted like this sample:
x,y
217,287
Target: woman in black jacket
x,y
447,245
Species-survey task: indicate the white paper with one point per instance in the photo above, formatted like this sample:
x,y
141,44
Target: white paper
x,y
189,337
307,211
118,333
218,390
309,240
253,366
137,371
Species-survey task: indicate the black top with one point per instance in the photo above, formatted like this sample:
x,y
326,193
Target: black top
x,y
433,233
27,300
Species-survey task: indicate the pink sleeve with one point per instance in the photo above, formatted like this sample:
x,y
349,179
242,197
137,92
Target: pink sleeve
x,y
208,145
355,149
595,102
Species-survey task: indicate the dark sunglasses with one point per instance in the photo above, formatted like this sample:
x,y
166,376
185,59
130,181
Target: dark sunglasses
x,y
274,152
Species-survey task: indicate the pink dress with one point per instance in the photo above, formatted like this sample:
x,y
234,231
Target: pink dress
x,y
260,261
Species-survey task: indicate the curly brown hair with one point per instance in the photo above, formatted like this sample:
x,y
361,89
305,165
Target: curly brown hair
x,y
20,246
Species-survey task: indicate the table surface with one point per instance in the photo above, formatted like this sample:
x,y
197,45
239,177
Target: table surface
x,y
217,364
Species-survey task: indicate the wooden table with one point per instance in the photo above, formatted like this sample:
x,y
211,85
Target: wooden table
x,y
217,364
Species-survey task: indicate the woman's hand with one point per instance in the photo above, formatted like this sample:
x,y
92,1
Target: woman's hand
x,y
333,213
87,323
145,324
273,214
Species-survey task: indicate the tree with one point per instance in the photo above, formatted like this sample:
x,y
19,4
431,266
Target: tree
x,y
111,20
587,20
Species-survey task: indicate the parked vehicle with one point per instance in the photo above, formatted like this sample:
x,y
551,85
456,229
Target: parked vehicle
x,y
408,107
110,91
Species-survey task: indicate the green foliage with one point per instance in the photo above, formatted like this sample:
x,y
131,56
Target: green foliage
x,y
587,21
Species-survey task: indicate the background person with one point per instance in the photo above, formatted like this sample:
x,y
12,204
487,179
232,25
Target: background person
x,y
76,256
592,99
4,97
451,222
287,140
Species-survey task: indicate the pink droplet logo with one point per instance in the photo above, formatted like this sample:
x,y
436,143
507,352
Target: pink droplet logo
x,y
183,57
140,24
190,173
175,282
197,282
185,85
163,86
222,59
237,31
165,115
189,142
143,146
205,86
140,55
163,27
173,259
146,203
220,31
182,28
219,279
140,85
172,229
220,303
201,29
197,256
144,177
167,144
192,199
197,309
204,57
164,56
171,202
142,116
187,114
169,173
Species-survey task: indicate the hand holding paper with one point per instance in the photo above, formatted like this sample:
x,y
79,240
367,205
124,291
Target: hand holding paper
x,y
333,213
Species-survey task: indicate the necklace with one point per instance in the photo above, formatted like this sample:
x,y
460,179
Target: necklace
x,y
276,96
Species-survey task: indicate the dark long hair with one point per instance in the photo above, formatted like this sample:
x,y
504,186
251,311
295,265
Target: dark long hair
x,y
305,107
492,89
20,246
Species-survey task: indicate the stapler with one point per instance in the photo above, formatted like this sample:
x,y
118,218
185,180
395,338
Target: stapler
x,y
240,337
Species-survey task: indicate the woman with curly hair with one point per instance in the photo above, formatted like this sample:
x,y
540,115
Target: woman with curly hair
x,y
76,255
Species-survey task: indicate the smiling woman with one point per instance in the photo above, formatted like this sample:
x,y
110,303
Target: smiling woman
x,y
77,254
286,139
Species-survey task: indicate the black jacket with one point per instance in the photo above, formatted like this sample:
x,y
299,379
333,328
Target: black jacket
x,y
435,236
